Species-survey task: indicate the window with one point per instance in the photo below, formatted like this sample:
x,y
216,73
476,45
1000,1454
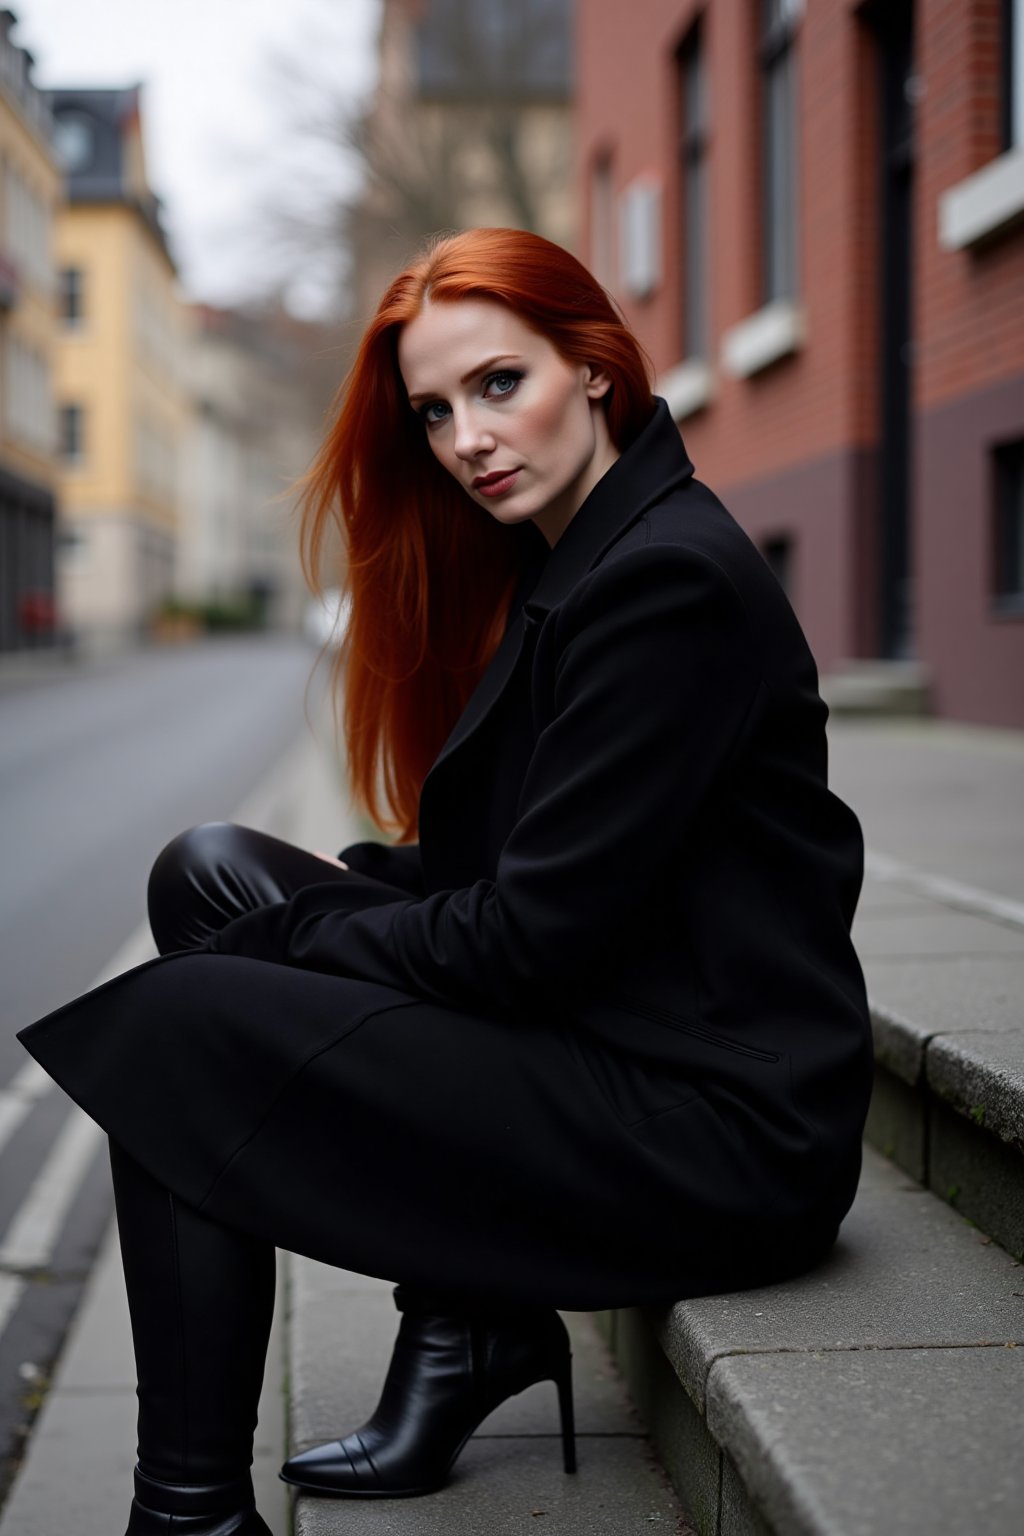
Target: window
x,y
778,148
29,395
778,552
1012,74
71,307
73,137
640,232
602,221
693,194
1009,541
72,420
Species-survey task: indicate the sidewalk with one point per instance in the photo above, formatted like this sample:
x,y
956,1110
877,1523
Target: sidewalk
x,y
941,809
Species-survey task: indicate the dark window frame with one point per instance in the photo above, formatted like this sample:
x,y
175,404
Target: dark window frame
x,y
1011,132
604,256
694,203
1008,528
72,432
72,295
779,123
779,553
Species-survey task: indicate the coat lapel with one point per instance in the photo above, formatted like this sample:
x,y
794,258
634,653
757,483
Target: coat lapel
x,y
654,464
488,690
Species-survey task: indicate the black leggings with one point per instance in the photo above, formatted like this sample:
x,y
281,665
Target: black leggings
x,y
201,1296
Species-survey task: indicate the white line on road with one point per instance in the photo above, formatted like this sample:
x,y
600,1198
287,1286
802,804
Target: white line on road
x,y
37,1224
11,1288
951,893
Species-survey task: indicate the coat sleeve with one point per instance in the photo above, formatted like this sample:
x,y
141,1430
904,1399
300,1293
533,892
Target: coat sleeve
x,y
396,864
656,680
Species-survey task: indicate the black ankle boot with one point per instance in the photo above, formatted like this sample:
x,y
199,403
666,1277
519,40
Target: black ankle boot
x,y
447,1373
176,1509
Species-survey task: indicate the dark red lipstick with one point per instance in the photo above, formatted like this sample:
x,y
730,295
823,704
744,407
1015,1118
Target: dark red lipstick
x,y
496,483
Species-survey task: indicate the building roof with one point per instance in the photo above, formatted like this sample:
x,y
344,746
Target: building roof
x,y
482,49
16,64
92,128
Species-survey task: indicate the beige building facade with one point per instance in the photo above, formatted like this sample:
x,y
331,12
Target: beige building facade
x,y
122,401
251,434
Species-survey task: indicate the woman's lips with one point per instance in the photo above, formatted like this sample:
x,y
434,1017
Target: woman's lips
x,y
496,485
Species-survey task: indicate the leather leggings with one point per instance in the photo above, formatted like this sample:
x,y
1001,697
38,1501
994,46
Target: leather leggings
x,y
200,1295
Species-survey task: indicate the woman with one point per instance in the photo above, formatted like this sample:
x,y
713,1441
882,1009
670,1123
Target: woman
x,y
600,1037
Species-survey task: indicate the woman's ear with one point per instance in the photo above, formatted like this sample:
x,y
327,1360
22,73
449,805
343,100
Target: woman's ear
x,y
596,381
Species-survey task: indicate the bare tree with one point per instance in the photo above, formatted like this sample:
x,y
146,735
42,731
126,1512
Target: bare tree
x,y
447,132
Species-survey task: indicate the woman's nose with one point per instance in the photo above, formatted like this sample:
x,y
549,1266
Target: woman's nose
x,y
472,437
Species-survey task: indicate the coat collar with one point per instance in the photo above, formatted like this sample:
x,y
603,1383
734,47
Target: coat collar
x,y
653,464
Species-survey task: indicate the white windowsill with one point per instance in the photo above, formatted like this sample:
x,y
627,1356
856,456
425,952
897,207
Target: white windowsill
x,y
776,330
686,387
983,203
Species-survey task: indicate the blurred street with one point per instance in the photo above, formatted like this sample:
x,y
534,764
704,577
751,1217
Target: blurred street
x,y
99,767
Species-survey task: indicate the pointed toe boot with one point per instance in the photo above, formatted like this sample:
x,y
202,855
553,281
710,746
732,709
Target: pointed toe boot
x,y
447,1373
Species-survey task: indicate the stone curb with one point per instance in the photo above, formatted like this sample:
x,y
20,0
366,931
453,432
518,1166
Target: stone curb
x,y
778,1391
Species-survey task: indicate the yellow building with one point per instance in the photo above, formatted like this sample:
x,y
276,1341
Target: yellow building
x,y
120,383
30,186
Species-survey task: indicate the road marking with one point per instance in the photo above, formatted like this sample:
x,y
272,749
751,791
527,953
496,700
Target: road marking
x,y
28,1085
11,1289
37,1223
951,893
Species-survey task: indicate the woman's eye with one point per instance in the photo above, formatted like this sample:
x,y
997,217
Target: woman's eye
x,y
504,382
427,412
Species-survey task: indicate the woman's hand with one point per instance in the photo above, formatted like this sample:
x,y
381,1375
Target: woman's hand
x,y
330,859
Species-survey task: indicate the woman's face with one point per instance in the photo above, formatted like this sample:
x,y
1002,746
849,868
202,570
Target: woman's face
x,y
523,432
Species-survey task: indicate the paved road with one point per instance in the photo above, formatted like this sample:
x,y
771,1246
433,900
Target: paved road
x,y
98,769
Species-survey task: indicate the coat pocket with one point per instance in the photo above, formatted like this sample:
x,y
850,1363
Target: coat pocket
x,y
633,1089
694,1028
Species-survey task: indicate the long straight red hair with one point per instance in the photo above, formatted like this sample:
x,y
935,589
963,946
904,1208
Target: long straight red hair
x,y
430,576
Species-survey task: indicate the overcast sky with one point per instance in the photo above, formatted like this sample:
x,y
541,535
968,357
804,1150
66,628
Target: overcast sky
x,y
216,115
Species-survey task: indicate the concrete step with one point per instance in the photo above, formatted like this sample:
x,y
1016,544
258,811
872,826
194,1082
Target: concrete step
x,y
877,687
879,1393
946,985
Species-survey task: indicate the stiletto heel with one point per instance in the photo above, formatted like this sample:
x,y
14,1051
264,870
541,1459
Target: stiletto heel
x,y
563,1381
447,1373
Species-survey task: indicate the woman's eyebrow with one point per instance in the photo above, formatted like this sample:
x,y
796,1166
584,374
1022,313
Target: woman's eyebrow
x,y
502,357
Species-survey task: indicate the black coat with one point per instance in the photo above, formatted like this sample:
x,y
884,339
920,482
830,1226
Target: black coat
x,y
602,1036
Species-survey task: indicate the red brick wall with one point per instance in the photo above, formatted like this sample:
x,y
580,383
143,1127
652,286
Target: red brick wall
x,y
970,315
970,376
819,402
790,449
819,399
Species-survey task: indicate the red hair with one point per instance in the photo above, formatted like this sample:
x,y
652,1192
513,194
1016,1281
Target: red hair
x,y
430,575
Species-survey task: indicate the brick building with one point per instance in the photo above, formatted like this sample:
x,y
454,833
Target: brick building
x,y
812,215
